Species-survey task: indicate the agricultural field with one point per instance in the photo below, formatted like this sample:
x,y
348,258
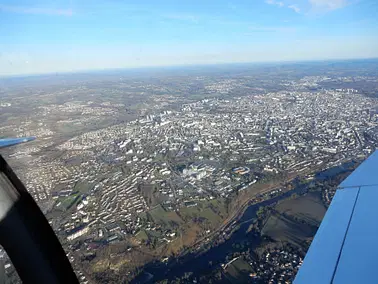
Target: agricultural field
x,y
295,220
309,208
282,229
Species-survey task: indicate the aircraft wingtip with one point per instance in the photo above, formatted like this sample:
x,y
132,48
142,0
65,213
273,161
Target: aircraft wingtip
x,y
6,142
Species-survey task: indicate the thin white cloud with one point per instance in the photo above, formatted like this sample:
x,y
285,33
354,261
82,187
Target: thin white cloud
x,y
282,4
328,5
311,6
276,3
35,10
295,8
183,17
280,29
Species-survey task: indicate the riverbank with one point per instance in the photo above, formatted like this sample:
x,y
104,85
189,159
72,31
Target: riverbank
x,y
202,262
237,230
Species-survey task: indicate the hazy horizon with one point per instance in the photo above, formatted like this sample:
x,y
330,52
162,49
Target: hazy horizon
x,y
184,66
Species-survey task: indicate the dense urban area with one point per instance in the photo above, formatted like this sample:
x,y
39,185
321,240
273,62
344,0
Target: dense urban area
x,y
141,171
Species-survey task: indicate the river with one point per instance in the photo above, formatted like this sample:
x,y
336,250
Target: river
x,y
200,263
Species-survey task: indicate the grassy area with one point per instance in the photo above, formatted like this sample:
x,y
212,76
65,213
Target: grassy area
x,y
213,211
211,216
192,221
219,206
280,228
83,187
187,237
201,213
143,215
309,208
238,271
68,202
167,218
188,211
141,235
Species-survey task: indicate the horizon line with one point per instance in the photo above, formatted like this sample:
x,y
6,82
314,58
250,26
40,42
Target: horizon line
x,y
188,65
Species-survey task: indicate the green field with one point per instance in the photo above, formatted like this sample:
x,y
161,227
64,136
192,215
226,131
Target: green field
x,y
212,211
218,206
166,218
83,187
68,202
141,235
238,271
282,229
308,208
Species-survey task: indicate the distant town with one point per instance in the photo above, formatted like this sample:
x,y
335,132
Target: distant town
x,y
131,169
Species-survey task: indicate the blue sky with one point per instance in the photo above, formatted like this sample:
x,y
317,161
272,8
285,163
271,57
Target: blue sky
x,y
57,36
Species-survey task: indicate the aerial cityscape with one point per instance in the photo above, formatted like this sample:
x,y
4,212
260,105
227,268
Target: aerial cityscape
x,y
216,141
198,174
